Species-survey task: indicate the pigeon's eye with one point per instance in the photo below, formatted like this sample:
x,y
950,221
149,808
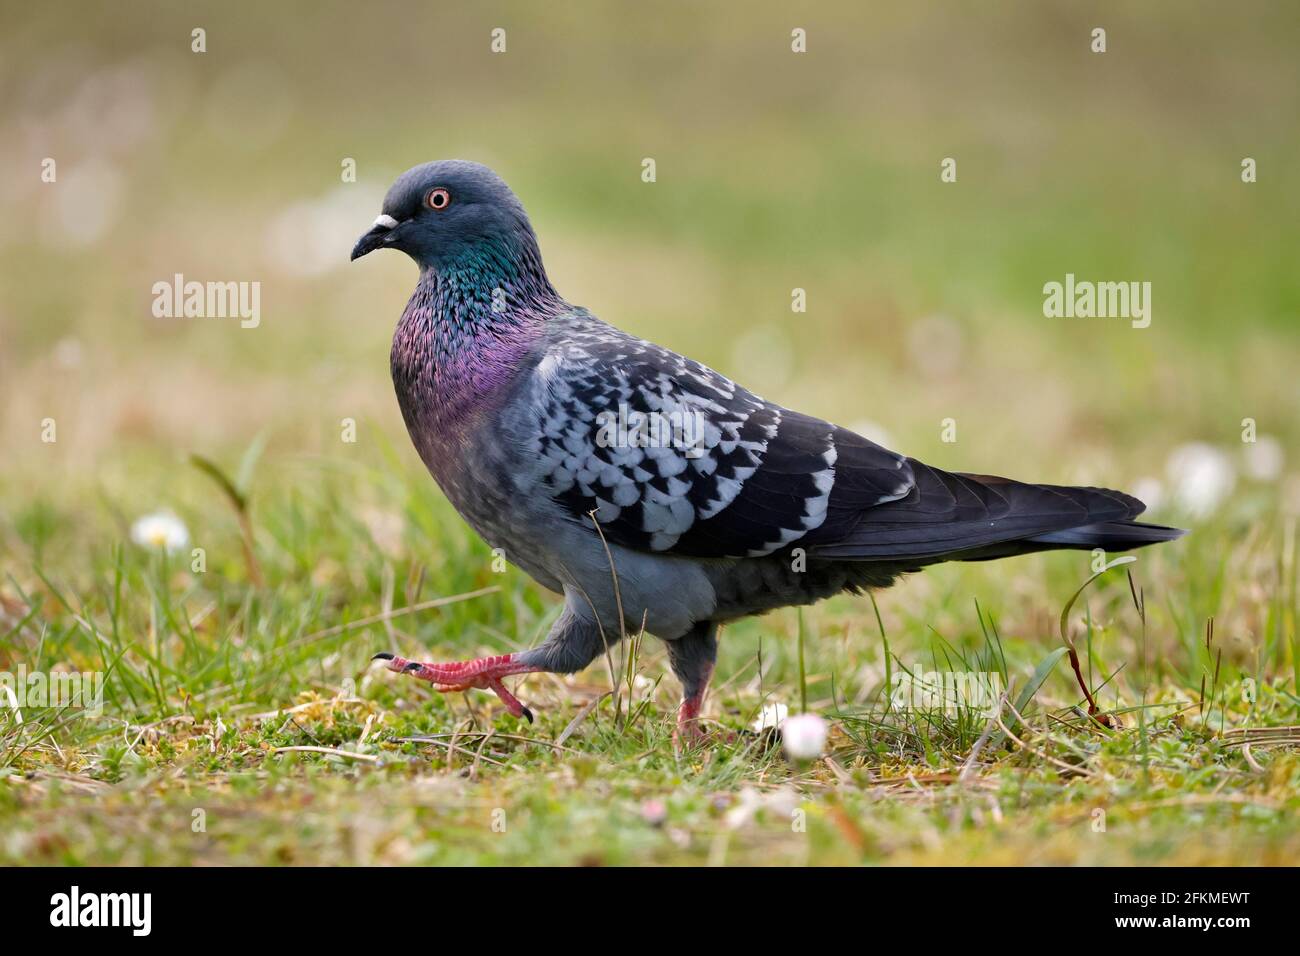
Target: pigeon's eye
x,y
438,199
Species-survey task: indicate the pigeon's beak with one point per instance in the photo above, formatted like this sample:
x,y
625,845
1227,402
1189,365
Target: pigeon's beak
x,y
376,237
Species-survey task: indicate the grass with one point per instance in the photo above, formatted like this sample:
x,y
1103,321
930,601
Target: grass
x,y
242,721
244,724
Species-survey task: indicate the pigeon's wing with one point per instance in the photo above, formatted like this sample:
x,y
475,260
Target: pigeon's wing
x,y
672,457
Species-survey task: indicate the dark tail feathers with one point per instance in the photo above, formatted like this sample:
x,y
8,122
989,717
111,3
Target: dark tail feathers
x,y
1109,536
951,516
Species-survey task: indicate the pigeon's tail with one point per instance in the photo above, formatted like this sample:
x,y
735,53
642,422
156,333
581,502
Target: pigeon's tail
x,y
960,517
1110,536
1106,535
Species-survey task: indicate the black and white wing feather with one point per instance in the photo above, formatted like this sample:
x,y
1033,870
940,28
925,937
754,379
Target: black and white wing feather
x,y
672,457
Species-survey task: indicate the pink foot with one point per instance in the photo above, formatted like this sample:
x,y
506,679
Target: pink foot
x,y
484,673
691,731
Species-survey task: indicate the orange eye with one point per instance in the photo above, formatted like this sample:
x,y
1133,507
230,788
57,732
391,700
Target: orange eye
x,y
438,199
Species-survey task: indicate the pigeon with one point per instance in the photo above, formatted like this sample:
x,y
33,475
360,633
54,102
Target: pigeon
x,y
649,490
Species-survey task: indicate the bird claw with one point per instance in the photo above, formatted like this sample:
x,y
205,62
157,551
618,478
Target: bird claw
x,y
483,673
690,731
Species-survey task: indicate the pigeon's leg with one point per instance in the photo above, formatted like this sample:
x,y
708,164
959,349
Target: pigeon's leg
x,y
573,643
692,656
484,673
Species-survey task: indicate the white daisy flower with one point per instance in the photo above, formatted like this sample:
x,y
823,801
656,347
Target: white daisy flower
x,y
162,529
1202,476
770,717
804,736
780,803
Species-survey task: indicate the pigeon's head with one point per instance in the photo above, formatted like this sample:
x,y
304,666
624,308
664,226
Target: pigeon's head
x,y
449,213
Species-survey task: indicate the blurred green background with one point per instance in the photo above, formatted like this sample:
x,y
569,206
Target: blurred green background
x,y
775,171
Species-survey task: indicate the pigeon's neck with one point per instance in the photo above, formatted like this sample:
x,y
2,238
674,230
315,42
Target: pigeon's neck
x,y
464,334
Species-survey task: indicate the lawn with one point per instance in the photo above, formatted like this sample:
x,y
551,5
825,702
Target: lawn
x,y
241,720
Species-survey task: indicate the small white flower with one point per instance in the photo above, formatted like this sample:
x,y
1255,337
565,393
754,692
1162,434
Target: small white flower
x,y
1202,476
780,803
642,683
1264,458
770,717
804,736
162,529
